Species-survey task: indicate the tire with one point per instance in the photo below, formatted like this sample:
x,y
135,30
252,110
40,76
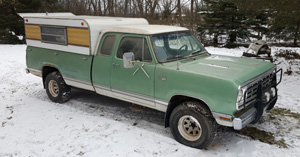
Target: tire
x,y
56,88
192,124
272,105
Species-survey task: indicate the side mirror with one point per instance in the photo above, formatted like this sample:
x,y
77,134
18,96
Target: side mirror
x,y
128,60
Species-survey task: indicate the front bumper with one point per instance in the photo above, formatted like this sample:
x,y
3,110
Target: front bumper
x,y
244,119
250,115
237,123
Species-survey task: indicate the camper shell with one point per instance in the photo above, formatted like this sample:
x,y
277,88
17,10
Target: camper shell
x,y
77,34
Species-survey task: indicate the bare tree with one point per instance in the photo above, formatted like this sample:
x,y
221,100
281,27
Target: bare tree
x,y
173,12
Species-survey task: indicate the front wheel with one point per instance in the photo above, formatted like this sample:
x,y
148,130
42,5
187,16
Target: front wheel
x,y
56,88
192,124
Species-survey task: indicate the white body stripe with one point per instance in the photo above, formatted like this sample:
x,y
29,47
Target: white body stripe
x,y
131,97
79,83
66,48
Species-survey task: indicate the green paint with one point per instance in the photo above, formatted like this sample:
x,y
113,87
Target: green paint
x,y
213,79
72,65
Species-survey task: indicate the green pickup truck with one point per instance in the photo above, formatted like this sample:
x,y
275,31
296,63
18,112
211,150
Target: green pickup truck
x,y
161,67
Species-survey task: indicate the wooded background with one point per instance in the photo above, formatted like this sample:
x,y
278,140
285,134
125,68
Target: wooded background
x,y
215,22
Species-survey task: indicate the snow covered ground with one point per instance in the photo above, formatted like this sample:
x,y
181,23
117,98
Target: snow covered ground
x,y
94,125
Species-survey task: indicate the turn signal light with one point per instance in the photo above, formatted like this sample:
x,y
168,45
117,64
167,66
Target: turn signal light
x,y
224,118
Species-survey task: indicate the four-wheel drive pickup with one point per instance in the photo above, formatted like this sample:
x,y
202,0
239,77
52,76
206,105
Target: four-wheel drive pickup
x,y
161,67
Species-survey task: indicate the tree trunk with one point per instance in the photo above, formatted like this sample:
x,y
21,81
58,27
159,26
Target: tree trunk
x,y
141,9
192,15
179,12
99,8
126,7
215,40
112,13
232,37
152,10
104,7
110,5
296,34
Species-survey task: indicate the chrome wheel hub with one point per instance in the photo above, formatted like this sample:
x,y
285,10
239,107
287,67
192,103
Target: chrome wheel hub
x,y
189,128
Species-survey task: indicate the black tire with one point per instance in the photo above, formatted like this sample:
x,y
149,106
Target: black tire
x,y
56,88
190,115
272,105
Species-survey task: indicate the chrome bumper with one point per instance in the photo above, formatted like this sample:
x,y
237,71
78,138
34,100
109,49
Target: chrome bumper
x,y
27,71
36,72
244,119
237,123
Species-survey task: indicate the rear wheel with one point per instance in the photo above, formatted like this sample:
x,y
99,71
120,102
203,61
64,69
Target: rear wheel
x,y
56,88
192,124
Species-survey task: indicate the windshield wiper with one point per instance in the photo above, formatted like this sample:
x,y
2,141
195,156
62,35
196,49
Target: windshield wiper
x,y
177,56
195,52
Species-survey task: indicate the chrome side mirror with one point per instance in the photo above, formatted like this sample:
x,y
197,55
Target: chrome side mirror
x,y
128,60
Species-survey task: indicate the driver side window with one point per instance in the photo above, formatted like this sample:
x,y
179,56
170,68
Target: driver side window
x,y
137,45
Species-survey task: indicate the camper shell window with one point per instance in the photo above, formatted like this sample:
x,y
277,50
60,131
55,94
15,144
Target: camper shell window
x,y
54,34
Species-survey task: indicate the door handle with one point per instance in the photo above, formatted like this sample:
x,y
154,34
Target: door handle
x,y
114,65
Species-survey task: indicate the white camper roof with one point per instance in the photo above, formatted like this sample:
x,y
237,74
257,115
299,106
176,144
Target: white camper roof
x,y
95,24
45,14
145,29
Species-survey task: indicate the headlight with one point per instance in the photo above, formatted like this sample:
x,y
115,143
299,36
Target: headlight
x,y
273,91
268,95
240,98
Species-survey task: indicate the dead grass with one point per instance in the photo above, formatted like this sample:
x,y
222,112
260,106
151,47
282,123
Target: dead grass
x,y
274,116
284,112
287,54
291,57
263,136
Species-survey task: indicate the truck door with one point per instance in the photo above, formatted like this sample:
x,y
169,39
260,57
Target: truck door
x,y
102,64
135,84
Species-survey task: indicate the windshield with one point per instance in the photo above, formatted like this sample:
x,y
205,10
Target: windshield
x,y
176,45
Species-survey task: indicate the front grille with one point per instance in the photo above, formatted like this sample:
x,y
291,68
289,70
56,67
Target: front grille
x,y
252,92
267,81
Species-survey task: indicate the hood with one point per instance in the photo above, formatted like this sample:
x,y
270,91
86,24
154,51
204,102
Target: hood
x,y
226,67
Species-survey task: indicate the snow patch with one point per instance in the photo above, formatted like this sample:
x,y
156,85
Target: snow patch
x,y
95,125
